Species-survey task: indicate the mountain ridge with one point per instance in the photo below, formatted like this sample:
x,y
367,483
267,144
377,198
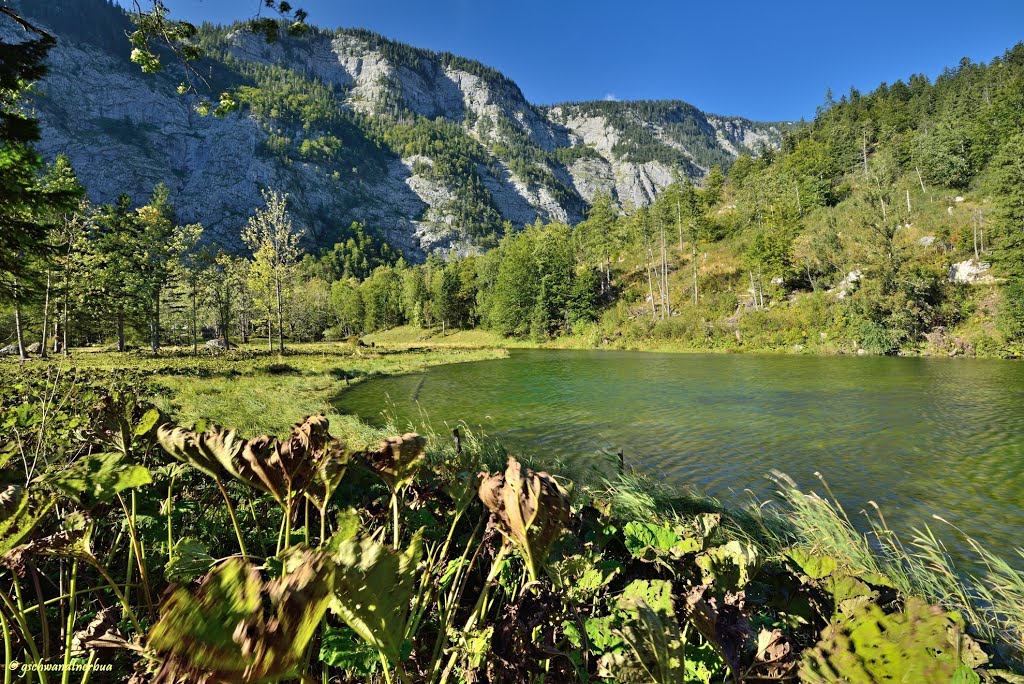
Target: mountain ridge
x,y
430,150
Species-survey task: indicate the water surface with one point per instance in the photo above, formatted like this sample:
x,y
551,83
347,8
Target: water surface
x,y
918,436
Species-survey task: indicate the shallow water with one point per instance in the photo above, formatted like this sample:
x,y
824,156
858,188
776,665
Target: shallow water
x,y
917,436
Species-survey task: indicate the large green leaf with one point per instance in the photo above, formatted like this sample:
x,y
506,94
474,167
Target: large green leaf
x,y
98,478
237,627
341,647
20,512
815,566
649,541
656,594
373,587
189,559
729,566
921,644
582,577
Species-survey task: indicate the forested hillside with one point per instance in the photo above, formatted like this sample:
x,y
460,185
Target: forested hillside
x,y
892,223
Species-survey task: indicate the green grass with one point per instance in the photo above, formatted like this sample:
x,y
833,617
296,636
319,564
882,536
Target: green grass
x,y
258,392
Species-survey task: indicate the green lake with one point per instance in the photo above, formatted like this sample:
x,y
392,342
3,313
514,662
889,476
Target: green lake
x,y
920,437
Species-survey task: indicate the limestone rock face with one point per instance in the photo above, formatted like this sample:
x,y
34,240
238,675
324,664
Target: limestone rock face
x,y
125,132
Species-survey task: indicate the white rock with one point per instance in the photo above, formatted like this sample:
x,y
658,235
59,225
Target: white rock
x,y
848,284
972,272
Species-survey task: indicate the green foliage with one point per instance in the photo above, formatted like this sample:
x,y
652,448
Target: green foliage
x,y
187,560
920,644
731,565
646,540
98,478
373,590
342,648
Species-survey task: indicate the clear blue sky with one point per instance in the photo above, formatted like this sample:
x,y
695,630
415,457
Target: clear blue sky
x,y
762,60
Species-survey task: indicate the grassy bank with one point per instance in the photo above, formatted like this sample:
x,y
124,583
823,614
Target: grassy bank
x,y
658,337
255,390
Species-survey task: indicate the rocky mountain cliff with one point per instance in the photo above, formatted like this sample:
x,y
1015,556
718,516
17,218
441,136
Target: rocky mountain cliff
x,y
429,150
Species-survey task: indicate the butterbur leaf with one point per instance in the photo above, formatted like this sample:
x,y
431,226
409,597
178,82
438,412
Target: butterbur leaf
x,y
213,451
373,587
729,566
529,508
101,632
722,623
20,512
397,459
64,544
189,559
310,461
813,565
656,643
98,478
773,655
915,645
655,594
583,577
647,541
238,627
290,467
602,635
147,423
341,647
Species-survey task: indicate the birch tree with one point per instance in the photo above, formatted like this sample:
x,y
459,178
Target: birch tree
x,y
274,242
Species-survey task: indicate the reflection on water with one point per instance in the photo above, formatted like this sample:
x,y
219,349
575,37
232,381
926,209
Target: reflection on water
x,y
917,436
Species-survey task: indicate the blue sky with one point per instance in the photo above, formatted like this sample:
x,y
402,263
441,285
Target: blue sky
x,y
762,60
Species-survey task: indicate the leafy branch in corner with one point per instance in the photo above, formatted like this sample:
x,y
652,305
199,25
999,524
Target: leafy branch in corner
x,y
155,30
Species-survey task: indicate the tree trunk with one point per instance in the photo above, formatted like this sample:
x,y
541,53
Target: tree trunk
x,y
120,331
244,316
679,224
693,258
67,296
270,332
650,284
67,323
280,318
223,325
864,143
46,317
666,303
195,322
17,323
976,254
154,336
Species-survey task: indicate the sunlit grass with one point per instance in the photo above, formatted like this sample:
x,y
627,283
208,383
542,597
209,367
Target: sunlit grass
x,y
258,392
